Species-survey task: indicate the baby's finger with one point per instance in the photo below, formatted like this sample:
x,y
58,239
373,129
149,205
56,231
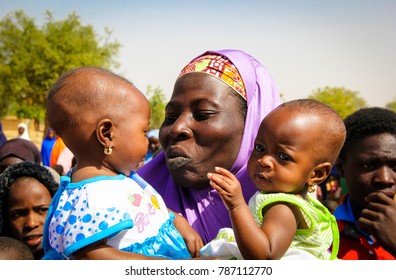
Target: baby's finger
x,y
225,172
220,180
218,188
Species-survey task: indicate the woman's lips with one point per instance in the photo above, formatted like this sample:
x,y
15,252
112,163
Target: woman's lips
x,y
176,157
177,162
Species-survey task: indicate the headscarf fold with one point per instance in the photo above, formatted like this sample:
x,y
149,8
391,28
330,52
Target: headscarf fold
x,y
204,209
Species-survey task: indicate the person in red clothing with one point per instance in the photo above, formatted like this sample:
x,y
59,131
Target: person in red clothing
x,y
367,164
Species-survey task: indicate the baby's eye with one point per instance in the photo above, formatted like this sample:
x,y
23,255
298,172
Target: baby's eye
x,y
259,148
284,157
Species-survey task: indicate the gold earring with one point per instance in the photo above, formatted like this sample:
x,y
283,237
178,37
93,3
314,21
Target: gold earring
x,y
312,188
108,150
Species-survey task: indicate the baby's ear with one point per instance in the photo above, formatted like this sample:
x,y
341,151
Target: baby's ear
x,y
104,132
319,173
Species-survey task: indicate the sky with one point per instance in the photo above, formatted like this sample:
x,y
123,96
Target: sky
x,y
306,45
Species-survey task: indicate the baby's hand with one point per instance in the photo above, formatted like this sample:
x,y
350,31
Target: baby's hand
x,y
192,239
227,186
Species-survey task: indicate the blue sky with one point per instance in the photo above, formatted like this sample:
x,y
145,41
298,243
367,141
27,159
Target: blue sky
x,y
305,44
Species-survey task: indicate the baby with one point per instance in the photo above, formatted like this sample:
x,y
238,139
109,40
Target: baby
x,y
103,210
295,148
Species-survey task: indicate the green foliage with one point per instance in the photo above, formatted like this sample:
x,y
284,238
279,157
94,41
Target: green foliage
x,y
344,101
391,105
157,102
32,58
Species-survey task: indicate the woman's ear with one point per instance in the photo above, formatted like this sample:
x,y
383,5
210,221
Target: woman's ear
x,y
319,173
104,132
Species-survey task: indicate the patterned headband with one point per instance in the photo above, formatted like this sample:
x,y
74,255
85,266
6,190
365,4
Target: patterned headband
x,y
220,67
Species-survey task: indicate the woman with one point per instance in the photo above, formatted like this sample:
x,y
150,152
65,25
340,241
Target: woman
x,y
46,146
26,191
218,102
23,131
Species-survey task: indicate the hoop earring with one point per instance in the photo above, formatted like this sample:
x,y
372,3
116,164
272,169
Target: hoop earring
x,y
107,150
312,188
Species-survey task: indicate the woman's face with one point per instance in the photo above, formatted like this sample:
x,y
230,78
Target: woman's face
x,y
27,207
203,128
21,129
51,134
369,166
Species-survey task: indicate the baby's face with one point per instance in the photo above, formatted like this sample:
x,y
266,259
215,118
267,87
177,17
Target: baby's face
x,y
130,143
283,155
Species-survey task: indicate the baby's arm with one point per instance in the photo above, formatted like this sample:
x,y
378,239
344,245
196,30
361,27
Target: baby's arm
x,y
191,237
272,239
101,251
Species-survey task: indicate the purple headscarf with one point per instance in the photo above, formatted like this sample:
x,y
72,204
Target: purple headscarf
x,y
206,211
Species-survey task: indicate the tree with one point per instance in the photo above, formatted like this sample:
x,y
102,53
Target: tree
x,y
157,102
391,105
342,100
32,58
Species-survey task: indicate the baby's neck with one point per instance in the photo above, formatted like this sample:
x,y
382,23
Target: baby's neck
x,y
84,173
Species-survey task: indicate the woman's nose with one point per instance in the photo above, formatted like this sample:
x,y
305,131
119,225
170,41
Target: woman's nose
x,y
180,129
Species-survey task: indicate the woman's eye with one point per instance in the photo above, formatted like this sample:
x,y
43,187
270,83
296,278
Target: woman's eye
x,y
202,116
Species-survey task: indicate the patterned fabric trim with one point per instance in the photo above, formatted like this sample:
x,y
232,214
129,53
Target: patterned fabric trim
x,y
221,68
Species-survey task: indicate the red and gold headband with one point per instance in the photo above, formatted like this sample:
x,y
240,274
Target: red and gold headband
x,y
220,67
